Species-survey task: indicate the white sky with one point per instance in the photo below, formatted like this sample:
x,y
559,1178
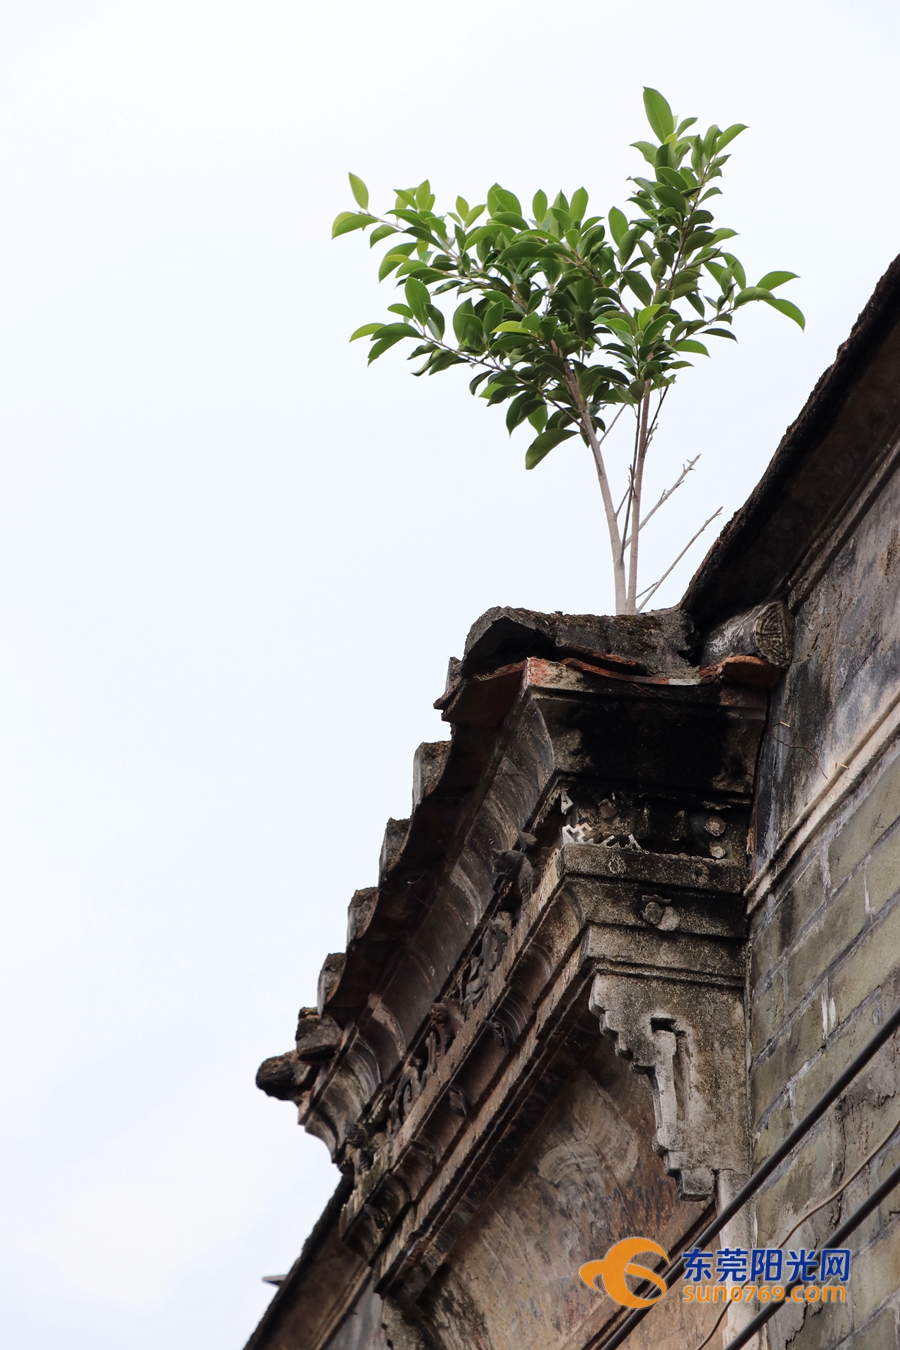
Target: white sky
x,y
234,562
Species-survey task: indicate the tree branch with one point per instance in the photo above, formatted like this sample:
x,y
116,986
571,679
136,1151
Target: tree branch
x,y
636,487
665,497
651,590
630,493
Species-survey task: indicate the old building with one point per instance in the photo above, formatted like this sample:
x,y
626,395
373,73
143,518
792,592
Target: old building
x,y
644,912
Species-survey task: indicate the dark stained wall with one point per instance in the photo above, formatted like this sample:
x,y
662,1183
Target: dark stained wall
x,y
825,937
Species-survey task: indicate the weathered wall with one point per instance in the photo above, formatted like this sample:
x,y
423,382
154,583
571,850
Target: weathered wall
x,y
585,1180
825,935
362,1328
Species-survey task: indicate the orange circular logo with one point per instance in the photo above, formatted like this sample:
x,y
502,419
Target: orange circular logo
x,y
618,1263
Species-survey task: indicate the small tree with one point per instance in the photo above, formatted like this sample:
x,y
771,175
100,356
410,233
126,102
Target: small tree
x,y
571,320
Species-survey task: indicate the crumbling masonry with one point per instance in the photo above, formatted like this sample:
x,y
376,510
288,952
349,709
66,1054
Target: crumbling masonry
x,y
645,909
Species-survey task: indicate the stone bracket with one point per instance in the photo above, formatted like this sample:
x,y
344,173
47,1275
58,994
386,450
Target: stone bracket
x,y
688,1037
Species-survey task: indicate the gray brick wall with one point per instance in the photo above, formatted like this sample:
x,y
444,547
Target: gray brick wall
x,y
824,972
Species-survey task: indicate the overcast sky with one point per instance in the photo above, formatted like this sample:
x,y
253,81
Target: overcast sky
x,y
234,561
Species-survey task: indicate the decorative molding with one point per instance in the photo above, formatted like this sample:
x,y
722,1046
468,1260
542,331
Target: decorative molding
x,y
595,860
689,1039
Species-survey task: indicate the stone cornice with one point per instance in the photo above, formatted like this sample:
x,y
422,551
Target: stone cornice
x,y
581,934
573,866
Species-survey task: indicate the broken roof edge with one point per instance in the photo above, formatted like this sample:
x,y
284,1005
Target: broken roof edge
x,y
282,1307
753,555
659,641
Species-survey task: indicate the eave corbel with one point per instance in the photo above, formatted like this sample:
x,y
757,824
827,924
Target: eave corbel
x,y
687,1036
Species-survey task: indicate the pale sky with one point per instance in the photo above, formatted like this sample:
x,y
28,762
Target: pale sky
x,y
234,561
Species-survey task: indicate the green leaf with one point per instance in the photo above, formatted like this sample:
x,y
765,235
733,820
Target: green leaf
x,y
619,323
655,330
501,200
751,293
646,316
462,208
618,225
773,279
647,150
460,315
726,136
444,360
736,268
640,285
785,307
394,259
541,446
481,232
350,220
698,239
499,389
629,239
690,345
538,418
417,298
539,205
673,177
590,379
511,218
670,196
721,332
522,248
659,114
381,233
366,329
397,331
579,203
435,322
493,315
390,333
359,190
520,408
511,326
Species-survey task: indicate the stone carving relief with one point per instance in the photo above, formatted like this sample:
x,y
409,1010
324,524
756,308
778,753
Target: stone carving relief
x,y
514,874
445,1020
513,883
660,1045
622,821
485,961
290,1077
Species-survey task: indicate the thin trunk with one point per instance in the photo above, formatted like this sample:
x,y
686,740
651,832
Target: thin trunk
x,y
636,485
612,524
